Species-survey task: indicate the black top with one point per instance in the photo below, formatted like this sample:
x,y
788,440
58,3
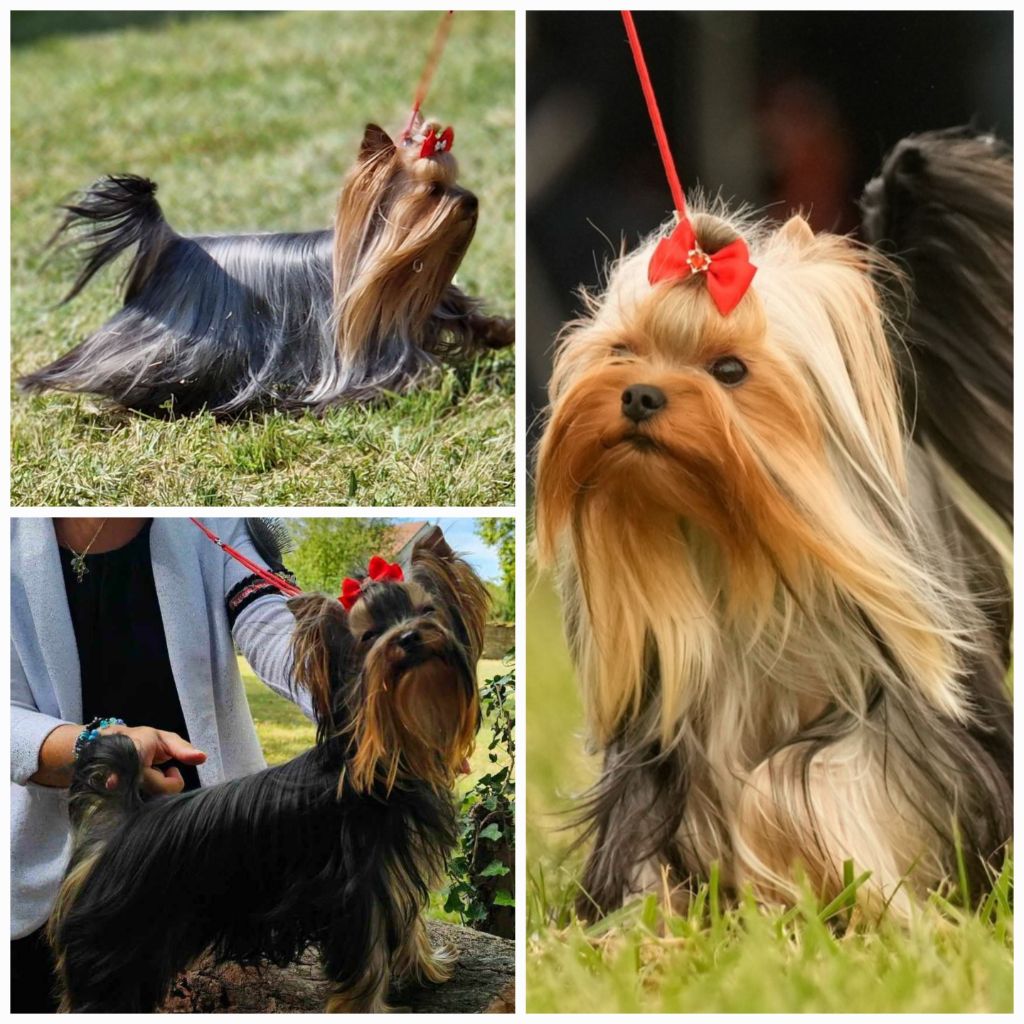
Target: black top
x,y
122,650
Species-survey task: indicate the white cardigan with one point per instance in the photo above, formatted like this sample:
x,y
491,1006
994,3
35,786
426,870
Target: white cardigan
x,y
193,577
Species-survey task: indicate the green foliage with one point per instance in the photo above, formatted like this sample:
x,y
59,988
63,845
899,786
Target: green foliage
x,y
501,535
252,132
326,550
482,886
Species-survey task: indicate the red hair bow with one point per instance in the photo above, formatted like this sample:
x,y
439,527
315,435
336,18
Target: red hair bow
x,y
376,571
434,143
728,271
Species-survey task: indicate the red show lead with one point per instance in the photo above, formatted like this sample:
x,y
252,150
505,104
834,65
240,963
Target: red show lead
x,y
433,59
285,586
652,109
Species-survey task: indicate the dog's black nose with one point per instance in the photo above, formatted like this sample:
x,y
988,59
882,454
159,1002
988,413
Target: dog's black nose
x,y
409,639
641,401
470,202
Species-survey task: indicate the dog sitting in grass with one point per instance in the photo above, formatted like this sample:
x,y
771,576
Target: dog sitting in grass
x,y
238,323
766,501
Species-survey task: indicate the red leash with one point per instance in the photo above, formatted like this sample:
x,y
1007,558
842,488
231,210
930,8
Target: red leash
x,y
655,114
433,59
728,272
285,586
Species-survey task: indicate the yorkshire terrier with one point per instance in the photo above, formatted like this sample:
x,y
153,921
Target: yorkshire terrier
x,y
237,323
790,622
338,848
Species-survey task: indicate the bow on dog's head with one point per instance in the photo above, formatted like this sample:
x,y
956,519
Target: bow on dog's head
x,y
395,670
708,475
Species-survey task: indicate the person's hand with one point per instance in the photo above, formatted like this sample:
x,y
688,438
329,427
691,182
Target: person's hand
x,y
155,747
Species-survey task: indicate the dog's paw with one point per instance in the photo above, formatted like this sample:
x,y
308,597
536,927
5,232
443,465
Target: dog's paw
x,y
495,332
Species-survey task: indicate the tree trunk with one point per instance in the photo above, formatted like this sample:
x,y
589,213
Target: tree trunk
x,y
483,982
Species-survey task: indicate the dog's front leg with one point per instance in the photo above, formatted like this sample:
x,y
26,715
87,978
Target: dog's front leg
x,y
417,960
357,960
459,317
804,819
634,814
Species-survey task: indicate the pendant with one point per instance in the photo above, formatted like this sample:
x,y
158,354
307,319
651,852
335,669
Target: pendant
x,y
78,566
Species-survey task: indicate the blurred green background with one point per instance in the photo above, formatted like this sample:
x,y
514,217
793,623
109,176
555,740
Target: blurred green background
x,y
248,121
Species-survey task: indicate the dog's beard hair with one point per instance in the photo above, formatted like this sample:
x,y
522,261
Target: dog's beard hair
x,y
397,247
752,566
413,722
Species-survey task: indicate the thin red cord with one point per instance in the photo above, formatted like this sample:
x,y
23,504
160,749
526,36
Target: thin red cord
x,y
655,114
433,59
285,586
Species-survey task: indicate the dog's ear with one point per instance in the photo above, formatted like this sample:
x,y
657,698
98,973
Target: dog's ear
x,y
456,585
797,231
433,541
321,644
376,142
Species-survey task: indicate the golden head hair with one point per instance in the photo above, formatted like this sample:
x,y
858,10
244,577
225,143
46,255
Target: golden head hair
x,y
396,675
759,523
401,229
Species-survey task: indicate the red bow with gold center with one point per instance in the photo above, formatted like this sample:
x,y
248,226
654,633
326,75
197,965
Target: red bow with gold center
x,y
376,572
728,271
434,143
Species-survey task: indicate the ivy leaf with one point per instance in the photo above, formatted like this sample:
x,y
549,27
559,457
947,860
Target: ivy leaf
x,y
503,898
477,912
493,869
491,832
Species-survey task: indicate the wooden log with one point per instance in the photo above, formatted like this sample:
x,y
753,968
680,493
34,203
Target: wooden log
x,y
483,982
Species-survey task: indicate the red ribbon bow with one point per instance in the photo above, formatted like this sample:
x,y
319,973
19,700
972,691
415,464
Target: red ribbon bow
x,y
376,571
434,143
728,271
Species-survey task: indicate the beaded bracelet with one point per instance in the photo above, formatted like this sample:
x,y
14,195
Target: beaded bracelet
x,y
91,731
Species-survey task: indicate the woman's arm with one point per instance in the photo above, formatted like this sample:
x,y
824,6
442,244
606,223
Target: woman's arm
x,y
42,746
262,627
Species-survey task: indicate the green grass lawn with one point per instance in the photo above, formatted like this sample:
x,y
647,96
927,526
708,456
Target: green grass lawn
x,y
718,959
248,122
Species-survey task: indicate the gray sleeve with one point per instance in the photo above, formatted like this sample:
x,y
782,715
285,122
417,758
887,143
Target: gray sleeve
x,y
263,629
29,726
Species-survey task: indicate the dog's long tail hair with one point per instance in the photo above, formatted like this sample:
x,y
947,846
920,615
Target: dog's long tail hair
x,y
943,207
115,214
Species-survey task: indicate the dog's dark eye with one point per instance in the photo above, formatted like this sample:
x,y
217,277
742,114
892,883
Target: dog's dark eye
x,y
427,609
436,189
729,371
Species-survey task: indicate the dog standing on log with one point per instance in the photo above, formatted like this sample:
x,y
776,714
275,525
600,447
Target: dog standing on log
x,y
791,632
237,323
338,848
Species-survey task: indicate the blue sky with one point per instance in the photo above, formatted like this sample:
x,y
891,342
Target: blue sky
x,y
461,536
